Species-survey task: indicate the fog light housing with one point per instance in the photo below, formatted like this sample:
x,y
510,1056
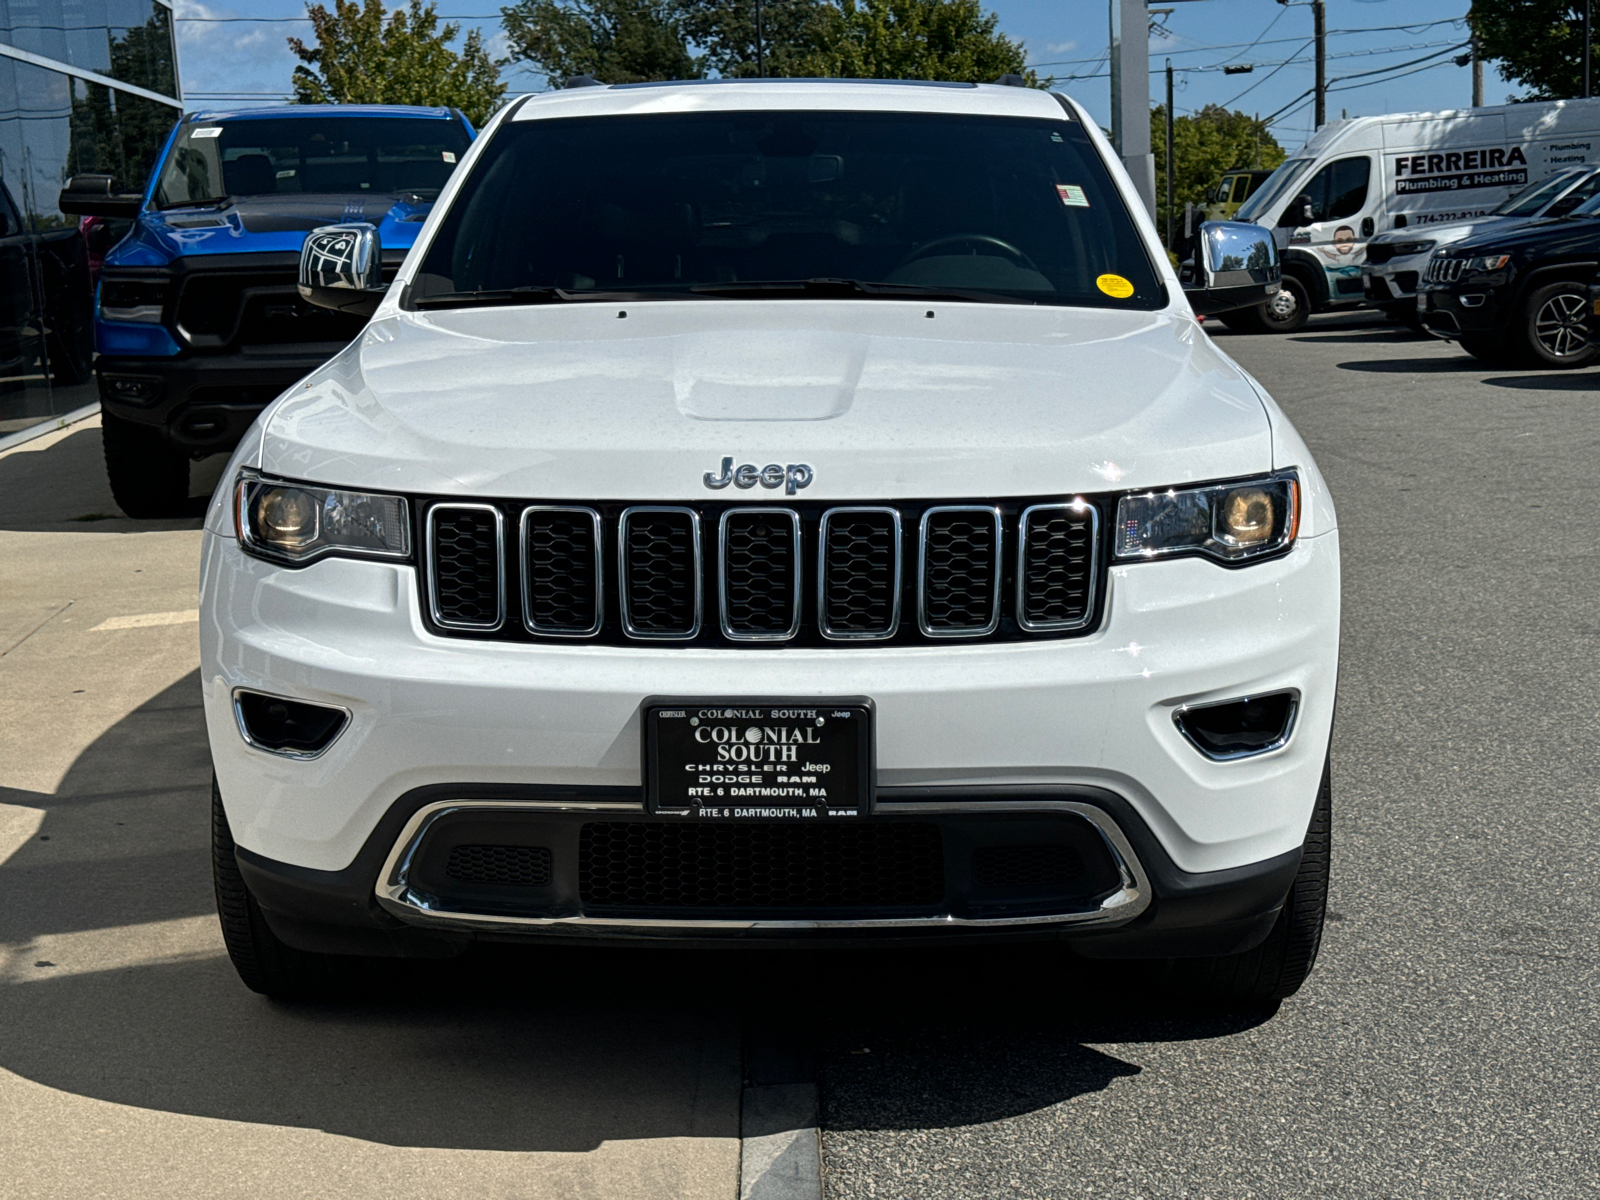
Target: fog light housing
x,y
131,389
1242,728
290,728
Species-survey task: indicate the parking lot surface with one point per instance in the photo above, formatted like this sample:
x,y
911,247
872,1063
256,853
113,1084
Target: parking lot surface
x,y
1445,1045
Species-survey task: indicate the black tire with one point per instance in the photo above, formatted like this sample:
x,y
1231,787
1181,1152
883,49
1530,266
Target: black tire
x,y
1488,348
1276,968
1285,312
149,476
265,964
1552,328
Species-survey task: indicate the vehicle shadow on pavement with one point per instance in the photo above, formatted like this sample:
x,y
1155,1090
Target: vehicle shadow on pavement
x,y
1550,381
62,488
1464,363
114,986
1370,337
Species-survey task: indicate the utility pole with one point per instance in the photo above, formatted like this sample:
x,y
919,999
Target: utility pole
x,y
1319,20
1588,19
1477,74
1130,95
1169,155
761,66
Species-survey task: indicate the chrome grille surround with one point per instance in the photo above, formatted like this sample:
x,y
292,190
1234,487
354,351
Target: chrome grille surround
x,y
588,516
626,580
932,623
1445,270
435,601
825,576
1026,523
726,552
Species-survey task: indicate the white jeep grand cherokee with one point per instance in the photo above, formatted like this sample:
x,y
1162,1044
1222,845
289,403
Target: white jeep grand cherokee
x,y
774,509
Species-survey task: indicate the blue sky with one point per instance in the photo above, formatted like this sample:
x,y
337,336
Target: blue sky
x,y
221,54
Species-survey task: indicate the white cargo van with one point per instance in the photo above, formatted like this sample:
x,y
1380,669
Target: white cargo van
x,y
1364,176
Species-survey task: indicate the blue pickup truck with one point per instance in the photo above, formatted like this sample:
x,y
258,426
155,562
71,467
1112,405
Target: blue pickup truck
x,y
198,323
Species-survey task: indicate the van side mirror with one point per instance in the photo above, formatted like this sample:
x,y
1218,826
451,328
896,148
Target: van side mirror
x,y
1211,194
98,196
1298,214
341,267
1235,266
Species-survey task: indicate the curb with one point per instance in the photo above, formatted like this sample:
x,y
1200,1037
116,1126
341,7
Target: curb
x,y
780,1148
48,425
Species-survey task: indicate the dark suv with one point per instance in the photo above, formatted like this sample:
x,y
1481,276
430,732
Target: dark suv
x,y
1518,296
199,323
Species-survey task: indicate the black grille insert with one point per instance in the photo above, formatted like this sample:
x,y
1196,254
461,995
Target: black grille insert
x,y
466,555
648,865
518,866
561,571
1036,865
1055,573
860,591
960,577
760,574
661,572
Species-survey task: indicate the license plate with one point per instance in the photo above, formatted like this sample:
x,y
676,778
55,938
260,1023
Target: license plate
x,y
758,760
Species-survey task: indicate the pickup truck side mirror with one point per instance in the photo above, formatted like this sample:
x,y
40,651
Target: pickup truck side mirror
x,y
98,196
341,267
1235,265
1298,214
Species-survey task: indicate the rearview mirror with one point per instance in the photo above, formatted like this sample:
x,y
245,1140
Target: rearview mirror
x,y
98,196
1235,266
1299,214
341,267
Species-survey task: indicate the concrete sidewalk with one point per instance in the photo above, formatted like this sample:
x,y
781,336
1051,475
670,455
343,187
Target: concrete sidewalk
x,y
132,1061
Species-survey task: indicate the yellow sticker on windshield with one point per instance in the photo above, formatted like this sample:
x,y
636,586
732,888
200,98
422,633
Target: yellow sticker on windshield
x,y
1114,285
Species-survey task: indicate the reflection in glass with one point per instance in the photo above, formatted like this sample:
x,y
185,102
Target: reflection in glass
x,y
128,40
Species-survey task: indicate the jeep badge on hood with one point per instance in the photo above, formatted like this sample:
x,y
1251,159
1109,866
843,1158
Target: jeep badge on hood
x,y
791,478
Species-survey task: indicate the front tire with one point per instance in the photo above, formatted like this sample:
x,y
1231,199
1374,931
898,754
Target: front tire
x,y
1553,328
149,477
1285,312
264,962
1276,968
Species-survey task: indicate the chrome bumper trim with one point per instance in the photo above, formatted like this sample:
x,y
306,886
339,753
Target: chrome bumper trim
x,y
394,893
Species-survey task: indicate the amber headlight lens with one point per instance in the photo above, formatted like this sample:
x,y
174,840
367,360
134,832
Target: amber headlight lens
x,y
1231,522
298,522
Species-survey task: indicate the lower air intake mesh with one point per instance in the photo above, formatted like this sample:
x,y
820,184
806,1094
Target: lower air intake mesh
x,y
523,866
1025,866
649,865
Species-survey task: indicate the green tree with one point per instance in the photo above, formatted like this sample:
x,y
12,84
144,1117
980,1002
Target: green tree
x,y
912,39
616,41
1538,43
361,58
726,29
1205,145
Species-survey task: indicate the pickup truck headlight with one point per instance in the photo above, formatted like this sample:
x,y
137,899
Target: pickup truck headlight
x,y
132,300
299,522
1488,262
1230,522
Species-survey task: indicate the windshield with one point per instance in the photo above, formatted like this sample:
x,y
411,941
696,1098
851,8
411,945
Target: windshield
x,y
1280,181
297,155
1531,200
1016,209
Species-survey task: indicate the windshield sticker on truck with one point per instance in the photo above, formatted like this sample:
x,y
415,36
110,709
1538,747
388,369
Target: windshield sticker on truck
x,y
449,155
1072,195
1114,285
1460,171
208,132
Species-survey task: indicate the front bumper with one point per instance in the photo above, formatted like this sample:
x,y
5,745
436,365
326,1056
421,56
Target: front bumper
x,y
1084,721
204,402
1465,308
1394,282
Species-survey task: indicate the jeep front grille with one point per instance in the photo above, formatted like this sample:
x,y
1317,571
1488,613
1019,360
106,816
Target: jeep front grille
x,y
720,574
1445,270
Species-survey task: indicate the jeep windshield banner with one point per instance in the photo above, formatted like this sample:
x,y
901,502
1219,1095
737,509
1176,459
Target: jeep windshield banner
x,y
1460,170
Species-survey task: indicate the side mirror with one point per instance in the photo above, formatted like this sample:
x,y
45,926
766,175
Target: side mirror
x,y
341,267
98,196
1299,214
1235,266
1211,194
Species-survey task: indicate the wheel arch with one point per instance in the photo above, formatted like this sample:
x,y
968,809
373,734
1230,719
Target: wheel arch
x,y
1310,275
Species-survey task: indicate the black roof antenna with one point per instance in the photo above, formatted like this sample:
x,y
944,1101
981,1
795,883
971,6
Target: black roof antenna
x,y
1011,79
577,81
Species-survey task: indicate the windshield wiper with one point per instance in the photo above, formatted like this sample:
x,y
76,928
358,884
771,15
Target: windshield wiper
x,y
826,286
525,295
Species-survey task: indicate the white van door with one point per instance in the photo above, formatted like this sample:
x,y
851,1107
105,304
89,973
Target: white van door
x,y
1344,195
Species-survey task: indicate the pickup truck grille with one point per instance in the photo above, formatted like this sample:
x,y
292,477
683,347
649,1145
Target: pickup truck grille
x,y
762,575
224,310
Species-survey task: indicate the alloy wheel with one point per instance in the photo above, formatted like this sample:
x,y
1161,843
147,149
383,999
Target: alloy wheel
x,y
1562,326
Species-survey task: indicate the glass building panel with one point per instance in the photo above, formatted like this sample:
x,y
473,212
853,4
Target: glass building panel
x,y
128,40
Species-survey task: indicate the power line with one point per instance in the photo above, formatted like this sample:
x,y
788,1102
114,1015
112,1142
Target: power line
x,y
1267,76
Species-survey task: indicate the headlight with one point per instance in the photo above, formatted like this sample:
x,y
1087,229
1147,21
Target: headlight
x,y
132,300
1230,522
1488,262
1402,248
299,522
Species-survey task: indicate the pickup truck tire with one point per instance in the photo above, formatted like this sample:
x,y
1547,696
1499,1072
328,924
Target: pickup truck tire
x,y
264,962
1276,968
1552,329
149,478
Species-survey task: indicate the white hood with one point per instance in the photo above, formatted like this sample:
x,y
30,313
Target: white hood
x,y
880,398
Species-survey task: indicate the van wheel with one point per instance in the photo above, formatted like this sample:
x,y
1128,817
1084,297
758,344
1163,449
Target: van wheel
x,y
149,477
1554,327
265,963
1275,969
1286,311
1489,349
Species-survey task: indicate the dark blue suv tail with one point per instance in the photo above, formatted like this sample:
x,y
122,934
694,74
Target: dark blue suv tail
x,y
198,323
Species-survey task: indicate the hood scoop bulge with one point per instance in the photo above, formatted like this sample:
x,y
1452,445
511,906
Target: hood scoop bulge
x,y
762,375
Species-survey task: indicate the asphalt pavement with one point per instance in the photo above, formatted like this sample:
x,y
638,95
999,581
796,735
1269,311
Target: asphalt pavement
x,y
1445,1046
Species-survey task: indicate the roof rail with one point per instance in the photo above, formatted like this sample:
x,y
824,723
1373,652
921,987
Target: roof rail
x,y
1011,79
577,81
